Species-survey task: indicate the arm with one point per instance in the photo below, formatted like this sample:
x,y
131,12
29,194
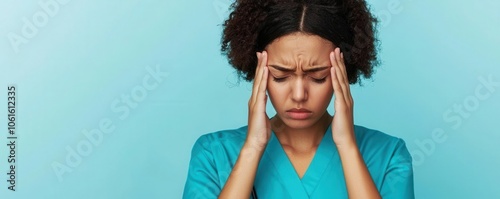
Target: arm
x,y
357,177
241,179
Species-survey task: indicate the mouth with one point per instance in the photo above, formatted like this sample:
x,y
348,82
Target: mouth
x,y
298,114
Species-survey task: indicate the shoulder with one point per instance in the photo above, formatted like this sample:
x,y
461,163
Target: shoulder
x,y
373,136
388,160
379,143
212,157
227,137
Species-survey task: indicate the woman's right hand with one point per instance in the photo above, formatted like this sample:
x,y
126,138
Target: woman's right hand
x,y
259,126
240,181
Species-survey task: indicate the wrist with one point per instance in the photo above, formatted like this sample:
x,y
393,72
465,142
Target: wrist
x,y
252,149
348,151
257,144
347,147
346,143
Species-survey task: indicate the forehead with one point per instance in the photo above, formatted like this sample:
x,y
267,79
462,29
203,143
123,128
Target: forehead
x,y
299,47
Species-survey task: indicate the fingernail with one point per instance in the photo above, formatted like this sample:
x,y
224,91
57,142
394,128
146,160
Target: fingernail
x,y
342,55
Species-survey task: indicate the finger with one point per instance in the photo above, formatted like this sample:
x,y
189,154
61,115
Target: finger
x,y
339,95
263,62
341,75
259,60
261,95
340,61
256,79
265,72
343,67
338,72
347,77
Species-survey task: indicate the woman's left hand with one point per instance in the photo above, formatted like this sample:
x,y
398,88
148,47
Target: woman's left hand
x,y
343,121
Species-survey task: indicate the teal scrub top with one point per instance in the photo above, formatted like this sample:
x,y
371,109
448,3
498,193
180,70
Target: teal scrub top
x,y
214,155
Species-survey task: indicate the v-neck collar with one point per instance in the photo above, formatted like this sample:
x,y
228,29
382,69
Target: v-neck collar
x,y
302,188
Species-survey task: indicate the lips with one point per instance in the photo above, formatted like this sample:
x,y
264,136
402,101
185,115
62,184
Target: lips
x,y
299,110
299,113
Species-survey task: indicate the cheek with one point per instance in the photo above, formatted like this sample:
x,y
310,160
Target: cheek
x,y
274,90
322,93
277,94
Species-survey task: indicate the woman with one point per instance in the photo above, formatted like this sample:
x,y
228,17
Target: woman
x,y
306,52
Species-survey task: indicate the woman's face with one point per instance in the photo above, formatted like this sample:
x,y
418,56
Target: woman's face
x,y
299,78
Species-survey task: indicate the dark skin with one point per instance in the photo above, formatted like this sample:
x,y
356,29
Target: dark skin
x,y
300,137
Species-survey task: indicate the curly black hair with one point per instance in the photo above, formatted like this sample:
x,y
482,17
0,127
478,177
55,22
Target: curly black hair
x,y
253,24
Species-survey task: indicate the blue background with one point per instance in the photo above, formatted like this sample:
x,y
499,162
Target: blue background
x,y
80,59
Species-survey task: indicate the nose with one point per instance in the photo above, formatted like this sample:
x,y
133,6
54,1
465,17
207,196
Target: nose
x,y
299,90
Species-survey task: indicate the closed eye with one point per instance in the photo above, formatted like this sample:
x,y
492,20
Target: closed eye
x,y
279,79
319,81
316,80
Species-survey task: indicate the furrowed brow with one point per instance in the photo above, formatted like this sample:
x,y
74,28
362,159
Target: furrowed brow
x,y
317,69
309,70
281,68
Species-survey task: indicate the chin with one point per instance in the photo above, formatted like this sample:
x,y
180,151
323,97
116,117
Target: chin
x,y
299,124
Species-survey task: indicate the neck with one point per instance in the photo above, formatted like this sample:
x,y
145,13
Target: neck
x,y
304,139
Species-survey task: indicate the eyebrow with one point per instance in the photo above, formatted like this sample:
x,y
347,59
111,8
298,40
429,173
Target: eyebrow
x,y
309,70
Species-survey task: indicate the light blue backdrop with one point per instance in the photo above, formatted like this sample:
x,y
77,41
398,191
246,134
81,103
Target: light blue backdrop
x,y
111,95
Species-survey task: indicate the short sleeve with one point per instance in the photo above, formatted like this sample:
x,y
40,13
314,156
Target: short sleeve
x,y
398,179
202,180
